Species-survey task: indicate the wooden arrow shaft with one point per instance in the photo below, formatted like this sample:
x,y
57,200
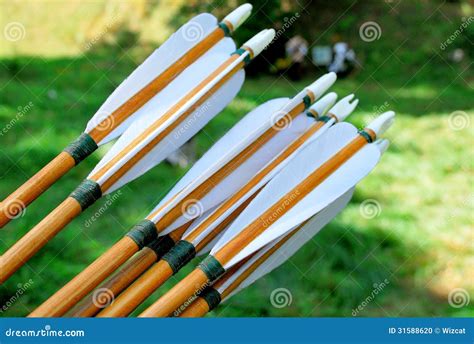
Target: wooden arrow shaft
x,y
287,202
197,309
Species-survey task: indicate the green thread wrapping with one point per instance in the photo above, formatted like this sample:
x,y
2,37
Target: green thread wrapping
x,y
366,136
81,147
307,101
226,29
240,51
143,233
212,268
324,119
179,255
312,115
87,193
161,245
212,297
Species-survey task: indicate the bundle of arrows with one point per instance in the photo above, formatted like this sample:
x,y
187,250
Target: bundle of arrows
x,y
254,198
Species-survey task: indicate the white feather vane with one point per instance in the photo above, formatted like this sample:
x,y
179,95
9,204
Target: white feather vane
x,y
299,236
162,58
246,170
306,162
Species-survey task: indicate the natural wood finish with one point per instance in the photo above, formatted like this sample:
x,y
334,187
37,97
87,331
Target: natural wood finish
x,y
34,187
159,122
80,286
223,172
37,237
197,309
254,229
130,271
143,287
256,179
191,285
156,85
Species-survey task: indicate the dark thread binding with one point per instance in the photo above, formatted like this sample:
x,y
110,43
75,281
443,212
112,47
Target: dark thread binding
x,y
87,193
324,119
312,115
179,255
212,297
226,29
143,233
81,147
161,245
307,102
366,136
240,51
212,268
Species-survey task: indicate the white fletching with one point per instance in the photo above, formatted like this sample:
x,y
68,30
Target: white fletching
x,y
238,16
299,236
382,123
322,106
305,163
344,107
260,41
162,58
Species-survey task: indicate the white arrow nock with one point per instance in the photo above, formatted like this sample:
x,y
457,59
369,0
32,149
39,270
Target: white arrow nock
x,y
382,123
382,145
343,108
235,18
321,107
257,43
320,86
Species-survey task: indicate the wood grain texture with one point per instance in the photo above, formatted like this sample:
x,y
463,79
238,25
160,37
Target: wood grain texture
x,y
37,237
139,291
87,280
222,173
197,309
139,99
127,273
34,187
159,122
184,291
287,202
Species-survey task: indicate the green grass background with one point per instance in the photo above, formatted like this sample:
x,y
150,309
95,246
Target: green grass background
x,y
421,241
